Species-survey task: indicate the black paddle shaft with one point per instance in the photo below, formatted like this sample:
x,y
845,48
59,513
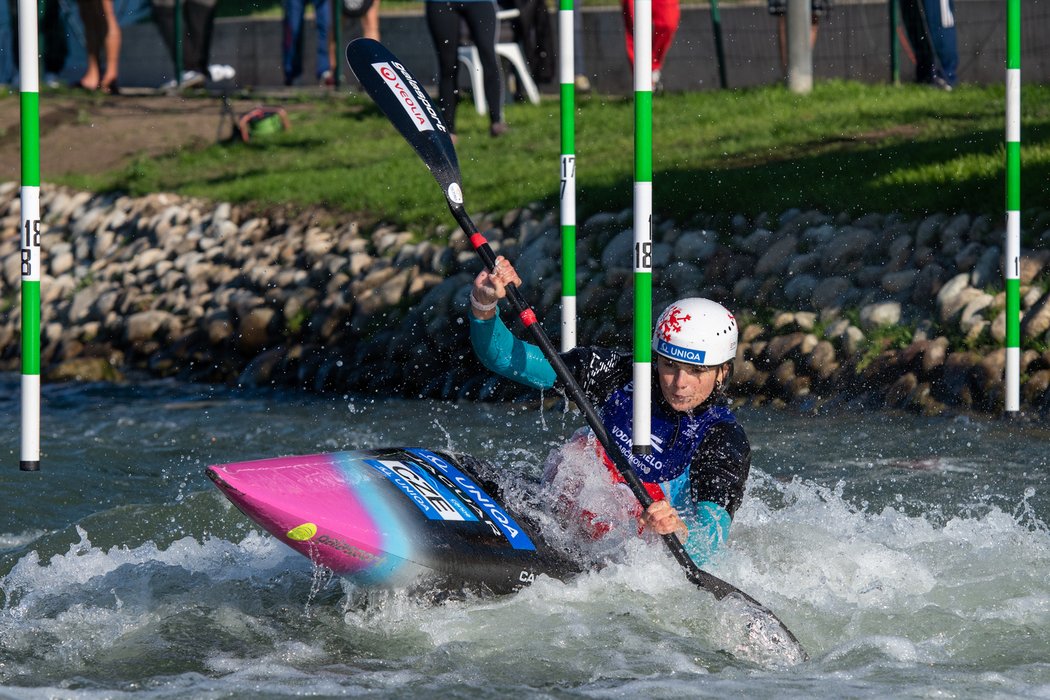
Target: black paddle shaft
x,y
408,107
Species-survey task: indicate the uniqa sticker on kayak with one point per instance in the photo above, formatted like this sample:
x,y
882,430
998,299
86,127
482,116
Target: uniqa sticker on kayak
x,y
303,532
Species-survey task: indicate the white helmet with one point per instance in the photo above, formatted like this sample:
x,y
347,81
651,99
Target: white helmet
x,y
697,331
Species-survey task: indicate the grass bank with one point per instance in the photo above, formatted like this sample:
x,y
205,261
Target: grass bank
x,y
846,147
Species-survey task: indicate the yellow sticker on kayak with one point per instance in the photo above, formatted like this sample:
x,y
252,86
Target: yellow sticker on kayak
x,y
302,533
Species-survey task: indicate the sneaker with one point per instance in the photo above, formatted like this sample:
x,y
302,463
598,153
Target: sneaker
x,y
326,79
218,72
498,129
941,84
658,85
190,79
583,83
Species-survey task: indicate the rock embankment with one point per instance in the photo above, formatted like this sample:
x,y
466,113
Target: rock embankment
x,y
879,309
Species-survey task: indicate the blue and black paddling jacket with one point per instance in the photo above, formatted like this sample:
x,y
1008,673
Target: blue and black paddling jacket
x,y
700,459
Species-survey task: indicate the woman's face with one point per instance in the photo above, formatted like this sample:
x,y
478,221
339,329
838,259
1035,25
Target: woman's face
x,y
686,386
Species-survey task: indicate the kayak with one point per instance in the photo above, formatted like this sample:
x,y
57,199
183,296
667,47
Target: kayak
x,y
393,517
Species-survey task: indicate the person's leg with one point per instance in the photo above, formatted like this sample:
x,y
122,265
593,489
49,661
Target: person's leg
x,y
483,26
108,81
93,17
55,48
443,23
666,16
915,27
292,39
370,22
200,20
7,45
940,19
322,21
627,11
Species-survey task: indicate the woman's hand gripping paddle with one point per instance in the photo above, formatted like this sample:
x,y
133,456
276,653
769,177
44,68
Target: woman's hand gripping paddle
x,y
406,104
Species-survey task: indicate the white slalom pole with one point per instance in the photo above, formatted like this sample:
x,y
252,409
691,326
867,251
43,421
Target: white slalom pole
x,y
29,63
567,74
643,226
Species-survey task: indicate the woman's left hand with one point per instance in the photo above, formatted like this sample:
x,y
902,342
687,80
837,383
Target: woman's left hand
x,y
664,520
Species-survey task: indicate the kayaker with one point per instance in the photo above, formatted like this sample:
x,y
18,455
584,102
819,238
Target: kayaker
x,y
701,456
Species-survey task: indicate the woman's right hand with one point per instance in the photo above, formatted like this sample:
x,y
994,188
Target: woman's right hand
x,y
490,287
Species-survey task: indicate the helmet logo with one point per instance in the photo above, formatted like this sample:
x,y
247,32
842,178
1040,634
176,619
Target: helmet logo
x,y
672,322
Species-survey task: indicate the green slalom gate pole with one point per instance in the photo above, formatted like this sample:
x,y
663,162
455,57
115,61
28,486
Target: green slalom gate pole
x,y
720,53
567,75
643,225
29,67
1013,206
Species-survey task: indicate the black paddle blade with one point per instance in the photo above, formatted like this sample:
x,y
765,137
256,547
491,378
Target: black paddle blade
x,y
408,107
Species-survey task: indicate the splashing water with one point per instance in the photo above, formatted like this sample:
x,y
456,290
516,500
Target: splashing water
x,y
909,556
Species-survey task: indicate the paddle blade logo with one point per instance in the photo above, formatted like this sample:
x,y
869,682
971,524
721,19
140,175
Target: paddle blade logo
x,y
417,106
302,533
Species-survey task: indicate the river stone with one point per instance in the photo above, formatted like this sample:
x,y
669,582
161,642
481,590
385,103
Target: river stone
x,y
830,292
695,246
758,241
800,289
846,249
805,262
901,390
84,369
971,313
61,259
818,236
1037,321
927,232
821,360
954,296
898,282
147,325
683,278
777,256
253,328
987,270
887,313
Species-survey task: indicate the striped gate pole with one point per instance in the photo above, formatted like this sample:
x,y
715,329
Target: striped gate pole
x,y
29,66
567,75
643,225
1013,206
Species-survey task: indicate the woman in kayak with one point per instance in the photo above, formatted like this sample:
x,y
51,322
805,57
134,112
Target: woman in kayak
x,y
701,456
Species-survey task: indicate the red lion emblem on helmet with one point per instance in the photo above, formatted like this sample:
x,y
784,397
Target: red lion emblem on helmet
x,y
672,322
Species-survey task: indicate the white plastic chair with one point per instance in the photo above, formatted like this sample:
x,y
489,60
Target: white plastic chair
x,y
468,56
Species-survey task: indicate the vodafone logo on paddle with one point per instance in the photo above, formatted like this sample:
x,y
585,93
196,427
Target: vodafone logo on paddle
x,y
410,96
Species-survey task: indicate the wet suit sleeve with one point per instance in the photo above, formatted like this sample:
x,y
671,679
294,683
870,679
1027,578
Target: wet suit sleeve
x,y
509,357
717,478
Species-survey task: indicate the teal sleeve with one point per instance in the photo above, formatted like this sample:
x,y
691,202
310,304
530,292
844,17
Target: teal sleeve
x,y
509,357
707,531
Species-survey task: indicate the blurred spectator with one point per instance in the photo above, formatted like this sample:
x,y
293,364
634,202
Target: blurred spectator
x,y
8,71
583,83
778,8
443,21
369,30
930,28
100,31
292,43
53,46
940,17
666,16
197,24
370,21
